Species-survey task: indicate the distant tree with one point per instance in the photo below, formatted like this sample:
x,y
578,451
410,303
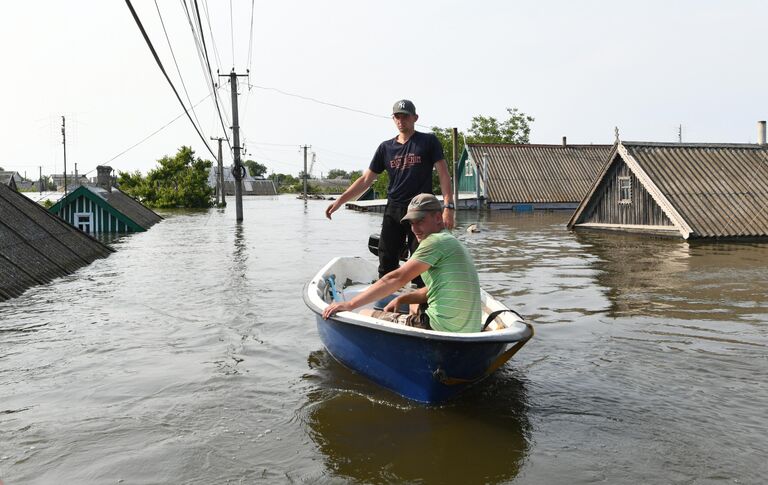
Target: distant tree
x,y
284,182
255,168
336,173
179,181
355,174
130,182
380,185
47,183
516,129
484,129
301,176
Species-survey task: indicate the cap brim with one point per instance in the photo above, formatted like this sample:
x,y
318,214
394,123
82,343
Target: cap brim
x,y
413,216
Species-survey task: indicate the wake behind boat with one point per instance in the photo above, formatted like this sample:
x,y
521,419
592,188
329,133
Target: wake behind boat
x,y
424,365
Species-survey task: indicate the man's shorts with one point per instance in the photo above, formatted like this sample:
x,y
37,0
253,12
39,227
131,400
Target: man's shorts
x,y
418,320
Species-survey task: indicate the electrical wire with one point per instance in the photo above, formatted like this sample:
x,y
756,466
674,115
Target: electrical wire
x,y
200,56
162,69
148,136
250,40
314,100
232,33
178,70
210,30
208,64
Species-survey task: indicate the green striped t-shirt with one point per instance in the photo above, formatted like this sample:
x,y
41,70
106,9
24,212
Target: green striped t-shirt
x,y
453,288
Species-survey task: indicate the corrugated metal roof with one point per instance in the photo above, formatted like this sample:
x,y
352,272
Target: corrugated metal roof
x,y
127,205
8,179
539,173
720,190
36,246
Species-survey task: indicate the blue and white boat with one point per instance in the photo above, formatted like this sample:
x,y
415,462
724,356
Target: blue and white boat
x,y
423,365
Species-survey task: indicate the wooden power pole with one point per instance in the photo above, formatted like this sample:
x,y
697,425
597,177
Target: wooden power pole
x,y
220,190
237,170
64,142
305,170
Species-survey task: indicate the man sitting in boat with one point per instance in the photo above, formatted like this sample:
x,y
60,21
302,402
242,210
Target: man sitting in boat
x,y
450,301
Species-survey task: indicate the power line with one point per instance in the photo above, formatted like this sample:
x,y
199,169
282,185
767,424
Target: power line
x,y
181,78
210,30
314,100
200,56
149,136
162,69
232,33
208,64
250,40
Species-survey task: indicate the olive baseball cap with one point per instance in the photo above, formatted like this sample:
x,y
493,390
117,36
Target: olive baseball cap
x,y
420,206
404,106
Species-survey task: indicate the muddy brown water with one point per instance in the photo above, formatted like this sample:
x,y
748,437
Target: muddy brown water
x,y
188,356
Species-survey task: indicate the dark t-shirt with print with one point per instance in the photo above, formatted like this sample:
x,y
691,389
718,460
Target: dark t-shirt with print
x,y
408,165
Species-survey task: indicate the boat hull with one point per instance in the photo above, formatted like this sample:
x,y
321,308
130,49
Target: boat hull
x,y
410,366
423,365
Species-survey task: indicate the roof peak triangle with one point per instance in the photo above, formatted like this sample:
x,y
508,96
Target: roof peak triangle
x,y
654,191
620,152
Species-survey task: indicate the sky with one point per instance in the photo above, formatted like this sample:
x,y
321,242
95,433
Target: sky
x,y
326,74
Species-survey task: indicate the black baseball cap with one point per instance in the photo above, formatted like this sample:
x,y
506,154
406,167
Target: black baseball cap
x,y
404,106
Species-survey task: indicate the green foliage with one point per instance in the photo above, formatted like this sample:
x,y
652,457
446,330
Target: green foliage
x,y
255,168
47,203
286,183
181,181
484,129
354,175
380,185
336,173
516,129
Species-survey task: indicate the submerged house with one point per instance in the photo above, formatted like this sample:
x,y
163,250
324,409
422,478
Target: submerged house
x,y
36,246
104,209
528,177
10,179
251,185
684,190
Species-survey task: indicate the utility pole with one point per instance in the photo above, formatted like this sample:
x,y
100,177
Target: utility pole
x,y
64,142
238,168
680,133
455,137
305,147
77,179
40,180
220,191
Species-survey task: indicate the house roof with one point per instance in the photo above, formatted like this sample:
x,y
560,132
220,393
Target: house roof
x,y
118,200
251,185
707,190
36,246
539,173
8,179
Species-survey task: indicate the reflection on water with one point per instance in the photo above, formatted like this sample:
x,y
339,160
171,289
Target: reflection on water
x,y
188,356
673,278
371,436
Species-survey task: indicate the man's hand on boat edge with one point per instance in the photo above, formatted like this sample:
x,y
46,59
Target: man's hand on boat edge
x,y
335,307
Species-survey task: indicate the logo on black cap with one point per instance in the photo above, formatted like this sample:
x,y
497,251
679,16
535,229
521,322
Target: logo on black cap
x,y
404,106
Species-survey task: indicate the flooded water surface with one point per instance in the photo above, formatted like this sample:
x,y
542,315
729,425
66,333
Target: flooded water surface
x,y
188,356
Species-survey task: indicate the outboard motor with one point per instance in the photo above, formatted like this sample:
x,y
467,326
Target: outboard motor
x,y
373,247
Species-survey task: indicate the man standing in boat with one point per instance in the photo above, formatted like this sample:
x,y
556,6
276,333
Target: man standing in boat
x,y
409,159
450,301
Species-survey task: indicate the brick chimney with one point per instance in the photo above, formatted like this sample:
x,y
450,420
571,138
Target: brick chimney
x,y
104,177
